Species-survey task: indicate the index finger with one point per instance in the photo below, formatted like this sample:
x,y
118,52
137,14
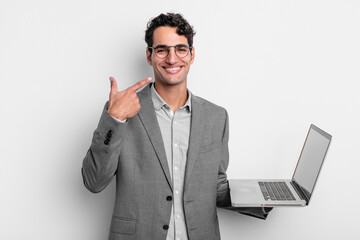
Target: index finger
x,y
139,85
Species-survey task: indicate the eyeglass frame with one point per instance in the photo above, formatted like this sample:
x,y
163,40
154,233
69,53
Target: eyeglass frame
x,y
168,47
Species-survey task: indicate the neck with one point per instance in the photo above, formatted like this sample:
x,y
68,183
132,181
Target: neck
x,y
174,95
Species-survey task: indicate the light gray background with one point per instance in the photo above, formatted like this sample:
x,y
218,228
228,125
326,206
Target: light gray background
x,y
277,66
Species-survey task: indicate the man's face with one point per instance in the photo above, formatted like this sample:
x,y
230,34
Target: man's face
x,y
171,70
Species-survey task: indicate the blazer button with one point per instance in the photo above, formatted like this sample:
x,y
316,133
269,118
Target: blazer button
x,y
107,141
165,227
109,133
169,198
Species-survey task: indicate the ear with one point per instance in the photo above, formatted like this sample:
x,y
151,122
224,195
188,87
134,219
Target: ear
x,y
148,57
192,54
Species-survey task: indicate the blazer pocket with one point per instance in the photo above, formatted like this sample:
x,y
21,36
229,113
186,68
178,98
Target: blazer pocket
x,y
123,225
208,148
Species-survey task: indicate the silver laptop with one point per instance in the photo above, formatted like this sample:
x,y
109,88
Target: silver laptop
x,y
285,192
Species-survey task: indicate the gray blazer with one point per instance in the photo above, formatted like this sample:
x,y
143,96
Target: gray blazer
x,y
134,152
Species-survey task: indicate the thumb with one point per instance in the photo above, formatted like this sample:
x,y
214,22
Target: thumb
x,y
113,86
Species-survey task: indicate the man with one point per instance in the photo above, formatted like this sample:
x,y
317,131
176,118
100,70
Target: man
x,y
167,147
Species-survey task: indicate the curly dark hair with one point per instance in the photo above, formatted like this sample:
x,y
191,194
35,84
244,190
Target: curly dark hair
x,y
171,20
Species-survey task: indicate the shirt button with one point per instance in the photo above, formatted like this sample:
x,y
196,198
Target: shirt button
x,y
169,198
175,145
165,227
176,168
176,191
178,216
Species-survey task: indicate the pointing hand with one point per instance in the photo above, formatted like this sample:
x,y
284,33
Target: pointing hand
x,y
125,104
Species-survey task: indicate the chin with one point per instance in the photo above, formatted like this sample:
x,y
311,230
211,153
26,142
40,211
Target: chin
x,y
171,81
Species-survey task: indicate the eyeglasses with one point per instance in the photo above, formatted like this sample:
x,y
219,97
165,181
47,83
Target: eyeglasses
x,y
162,51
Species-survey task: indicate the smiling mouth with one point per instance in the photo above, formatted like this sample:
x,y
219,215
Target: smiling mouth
x,y
172,70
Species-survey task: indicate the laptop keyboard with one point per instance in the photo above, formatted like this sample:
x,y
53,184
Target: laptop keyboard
x,y
276,191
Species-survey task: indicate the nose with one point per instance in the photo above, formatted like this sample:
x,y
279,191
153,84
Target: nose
x,y
171,58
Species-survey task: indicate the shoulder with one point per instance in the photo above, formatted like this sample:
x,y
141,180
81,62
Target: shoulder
x,y
211,114
209,107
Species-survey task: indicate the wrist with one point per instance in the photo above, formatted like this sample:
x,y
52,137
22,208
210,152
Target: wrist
x,y
117,116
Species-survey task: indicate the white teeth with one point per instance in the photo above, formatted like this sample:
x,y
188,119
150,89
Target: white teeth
x,y
173,69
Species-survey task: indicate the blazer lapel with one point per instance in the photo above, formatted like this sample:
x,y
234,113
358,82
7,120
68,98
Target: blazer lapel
x,y
198,118
148,118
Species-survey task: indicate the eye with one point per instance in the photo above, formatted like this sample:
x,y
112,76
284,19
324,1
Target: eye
x,y
181,49
160,50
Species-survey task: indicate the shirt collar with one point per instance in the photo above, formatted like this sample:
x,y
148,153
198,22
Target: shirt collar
x,y
159,102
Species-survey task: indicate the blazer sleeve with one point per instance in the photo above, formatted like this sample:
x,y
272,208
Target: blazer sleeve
x,y
101,160
223,190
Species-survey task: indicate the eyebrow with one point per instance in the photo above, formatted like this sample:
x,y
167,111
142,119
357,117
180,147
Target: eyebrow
x,y
164,46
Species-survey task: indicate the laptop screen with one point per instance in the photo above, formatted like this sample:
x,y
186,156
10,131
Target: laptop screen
x,y
311,159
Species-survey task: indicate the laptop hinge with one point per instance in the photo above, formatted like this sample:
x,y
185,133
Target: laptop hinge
x,y
300,191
